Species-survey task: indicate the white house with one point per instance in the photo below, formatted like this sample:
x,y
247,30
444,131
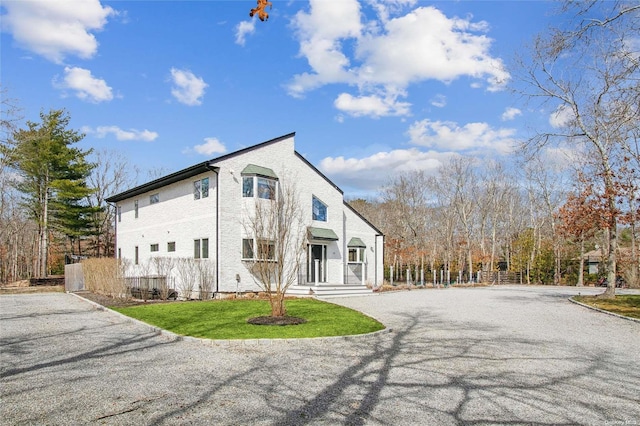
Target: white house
x,y
198,213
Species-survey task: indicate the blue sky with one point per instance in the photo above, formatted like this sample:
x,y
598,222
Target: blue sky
x,y
370,87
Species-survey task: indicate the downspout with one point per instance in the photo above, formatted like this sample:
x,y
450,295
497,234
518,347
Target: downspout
x,y
115,226
215,170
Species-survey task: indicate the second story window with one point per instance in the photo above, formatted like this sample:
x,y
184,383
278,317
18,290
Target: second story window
x,y
259,181
201,188
319,210
266,188
135,208
154,198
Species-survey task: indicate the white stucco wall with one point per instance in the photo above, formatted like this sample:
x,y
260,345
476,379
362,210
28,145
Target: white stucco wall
x,y
281,158
177,217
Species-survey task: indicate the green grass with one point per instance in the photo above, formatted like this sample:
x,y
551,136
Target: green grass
x,y
227,319
626,305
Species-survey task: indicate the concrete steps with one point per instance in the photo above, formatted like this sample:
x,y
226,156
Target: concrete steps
x,y
329,290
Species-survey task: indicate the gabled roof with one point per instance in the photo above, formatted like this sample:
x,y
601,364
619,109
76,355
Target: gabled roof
x,y
189,171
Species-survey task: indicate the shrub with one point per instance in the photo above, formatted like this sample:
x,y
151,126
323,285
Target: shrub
x,y
104,276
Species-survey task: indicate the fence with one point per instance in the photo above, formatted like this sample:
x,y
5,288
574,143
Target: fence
x,y
151,287
501,277
73,277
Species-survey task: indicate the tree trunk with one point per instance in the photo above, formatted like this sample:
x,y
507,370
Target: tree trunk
x,y
581,270
277,305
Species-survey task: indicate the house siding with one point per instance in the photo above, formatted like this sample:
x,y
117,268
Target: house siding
x,y
181,219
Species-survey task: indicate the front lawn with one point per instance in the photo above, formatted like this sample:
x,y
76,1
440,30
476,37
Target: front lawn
x,y
625,305
227,319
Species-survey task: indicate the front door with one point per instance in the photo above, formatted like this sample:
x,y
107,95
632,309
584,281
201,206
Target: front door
x,y
317,252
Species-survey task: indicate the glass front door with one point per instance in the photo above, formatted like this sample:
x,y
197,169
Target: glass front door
x,y
317,252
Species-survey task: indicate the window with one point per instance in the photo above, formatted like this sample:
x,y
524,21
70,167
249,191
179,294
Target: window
x,y
201,248
266,250
201,188
135,208
171,246
247,186
319,210
155,247
154,198
196,190
119,213
356,254
247,248
135,260
266,188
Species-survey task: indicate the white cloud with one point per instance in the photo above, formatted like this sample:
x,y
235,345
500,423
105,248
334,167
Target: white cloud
x,y
390,54
439,101
561,117
55,29
510,113
85,85
210,146
371,172
122,135
243,29
471,138
373,106
188,89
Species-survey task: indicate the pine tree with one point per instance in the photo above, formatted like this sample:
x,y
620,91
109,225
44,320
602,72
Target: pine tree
x,y
52,179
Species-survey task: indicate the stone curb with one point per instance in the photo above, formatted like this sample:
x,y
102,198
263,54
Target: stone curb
x,y
231,342
603,311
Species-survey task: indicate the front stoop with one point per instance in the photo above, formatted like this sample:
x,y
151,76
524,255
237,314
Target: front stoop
x,y
330,290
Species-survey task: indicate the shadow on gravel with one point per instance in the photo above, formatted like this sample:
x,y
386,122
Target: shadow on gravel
x,y
121,346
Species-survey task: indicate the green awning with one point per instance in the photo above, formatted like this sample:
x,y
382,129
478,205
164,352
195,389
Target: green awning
x,y
252,169
322,234
356,242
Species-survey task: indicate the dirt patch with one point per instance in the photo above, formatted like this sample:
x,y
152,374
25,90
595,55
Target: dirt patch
x,y
112,302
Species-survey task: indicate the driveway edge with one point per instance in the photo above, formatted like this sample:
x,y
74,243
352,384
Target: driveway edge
x,y
231,342
593,308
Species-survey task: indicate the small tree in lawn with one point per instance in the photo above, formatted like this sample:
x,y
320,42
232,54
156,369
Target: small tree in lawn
x,y
274,244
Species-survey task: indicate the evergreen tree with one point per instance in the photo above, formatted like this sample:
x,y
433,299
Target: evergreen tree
x,y
52,179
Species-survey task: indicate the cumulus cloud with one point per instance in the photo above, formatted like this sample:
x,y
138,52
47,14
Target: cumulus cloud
x,y
510,113
210,146
86,86
373,106
187,88
371,172
562,116
122,135
243,29
439,101
390,53
470,138
55,29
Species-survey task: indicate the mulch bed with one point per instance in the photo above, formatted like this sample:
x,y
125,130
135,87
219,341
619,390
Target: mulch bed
x,y
276,320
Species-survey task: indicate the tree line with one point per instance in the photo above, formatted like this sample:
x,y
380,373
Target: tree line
x,y
52,195
470,216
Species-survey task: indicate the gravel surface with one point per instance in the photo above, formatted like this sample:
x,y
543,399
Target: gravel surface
x,y
499,355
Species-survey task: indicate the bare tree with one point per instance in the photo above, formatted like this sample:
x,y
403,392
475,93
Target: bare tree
x,y
588,72
187,276
111,175
277,229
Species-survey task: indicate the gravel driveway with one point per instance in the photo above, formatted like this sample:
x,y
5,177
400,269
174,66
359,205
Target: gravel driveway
x,y
499,355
